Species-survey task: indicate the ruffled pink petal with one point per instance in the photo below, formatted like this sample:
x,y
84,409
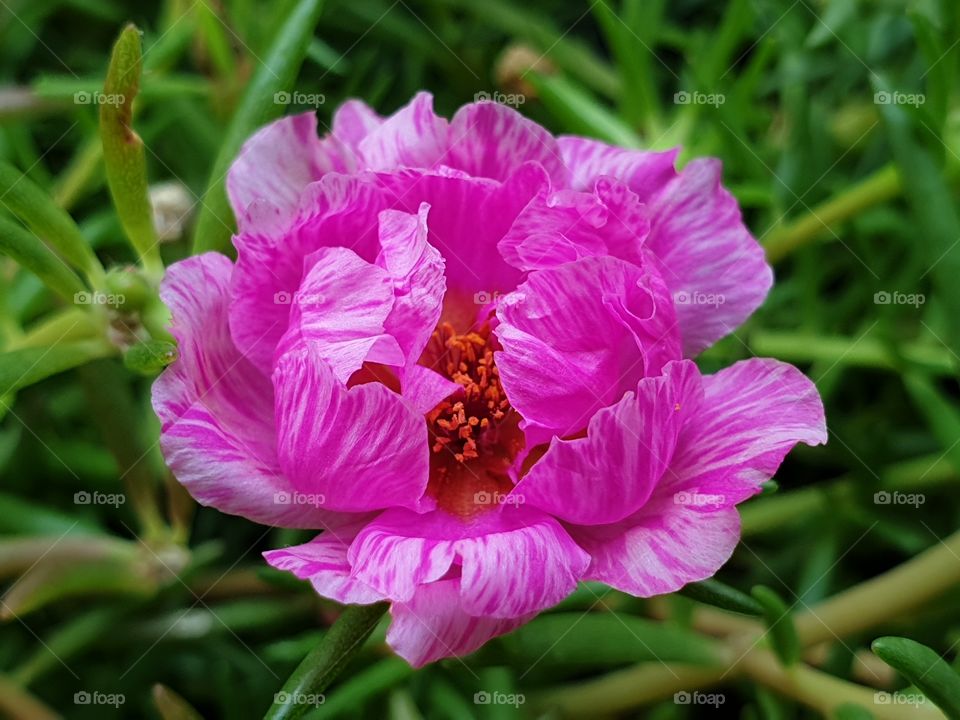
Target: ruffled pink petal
x,y
353,121
577,337
566,225
216,409
416,272
753,414
277,163
340,311
643,171
414,136
468,217
545,564
358,449
424,388
609,474
492,140
323,562
434,625
715,268
336,211
661,548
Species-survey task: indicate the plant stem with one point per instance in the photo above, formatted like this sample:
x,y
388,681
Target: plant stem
x,y
884,597
882,185
325,662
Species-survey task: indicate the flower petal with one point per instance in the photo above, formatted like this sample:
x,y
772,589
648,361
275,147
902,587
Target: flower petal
x,y
753,414
361,448
492,140
577,337
216,409
339,312
323,561
335,211
400,551
277,163
566,225
713,266
610,473
412,137
434,625
660,549
645,172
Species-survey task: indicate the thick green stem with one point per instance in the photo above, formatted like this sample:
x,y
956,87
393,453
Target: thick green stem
x,y
884,597
325,662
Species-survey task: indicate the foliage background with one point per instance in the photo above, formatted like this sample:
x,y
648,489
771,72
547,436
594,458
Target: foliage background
x,y
852,196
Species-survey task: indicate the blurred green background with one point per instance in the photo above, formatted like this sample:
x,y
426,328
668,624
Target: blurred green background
x,y
839,130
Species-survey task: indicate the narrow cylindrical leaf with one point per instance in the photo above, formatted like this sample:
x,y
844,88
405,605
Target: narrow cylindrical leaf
x,y
123,153
50,222
714,592
171,706
782,632
24,247
20,368
275,72
326,661
924,668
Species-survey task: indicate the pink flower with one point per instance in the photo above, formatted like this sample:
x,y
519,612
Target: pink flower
x,y
457,347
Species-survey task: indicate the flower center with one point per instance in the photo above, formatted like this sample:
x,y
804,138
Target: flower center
x,y
474,433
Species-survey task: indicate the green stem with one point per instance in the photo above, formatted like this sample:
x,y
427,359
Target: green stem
x,y
884,597
325,662
882,185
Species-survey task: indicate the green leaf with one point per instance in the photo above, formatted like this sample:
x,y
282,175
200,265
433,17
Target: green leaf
x,y
123,153
942,416
782,631
20,368
24,247
326,661
716,593
924,668
48,221
604,639
275,73
352,692
150,357
852,711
